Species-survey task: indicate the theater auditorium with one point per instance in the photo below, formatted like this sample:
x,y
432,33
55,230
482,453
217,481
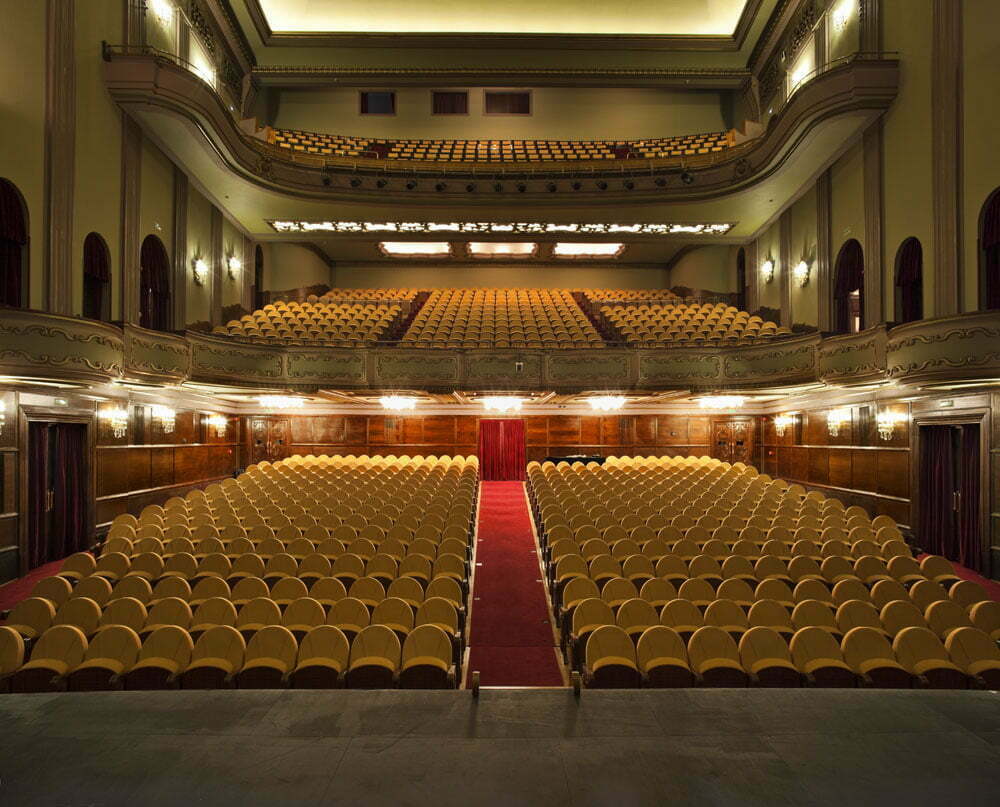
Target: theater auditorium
x,y
499,403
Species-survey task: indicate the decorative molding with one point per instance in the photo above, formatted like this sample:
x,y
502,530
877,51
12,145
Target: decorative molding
x,y
770,39
60,153
870,22
182,190
658,367
156,356
875,265
597,368
854,358
943,348
772,363
946,154
480,41
824,259
131,172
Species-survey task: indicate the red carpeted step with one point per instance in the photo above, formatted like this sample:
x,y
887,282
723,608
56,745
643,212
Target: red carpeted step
x,y
511,640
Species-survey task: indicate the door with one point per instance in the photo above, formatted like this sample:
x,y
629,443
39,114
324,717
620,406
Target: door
x,y
269,439
58,481
501,450
732,440
949,522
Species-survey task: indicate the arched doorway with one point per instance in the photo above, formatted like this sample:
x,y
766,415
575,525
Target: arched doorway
x,y
154,285
849,289
13,246
741,279
96,278
910,281
258,277
989,253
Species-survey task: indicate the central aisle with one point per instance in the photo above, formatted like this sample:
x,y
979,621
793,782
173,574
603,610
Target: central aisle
x,y
511,641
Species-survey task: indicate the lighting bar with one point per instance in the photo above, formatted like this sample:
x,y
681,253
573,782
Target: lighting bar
x,y
606,403
721,401
398,403
494,227
502,403
281,402
415,249
565,249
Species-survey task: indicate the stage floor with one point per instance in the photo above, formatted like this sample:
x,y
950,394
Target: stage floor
x,y
701,747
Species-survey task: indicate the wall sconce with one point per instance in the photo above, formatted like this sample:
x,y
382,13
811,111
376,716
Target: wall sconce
x,y
841,14
397,403
767,270
502,403
217,422
162,9
801,273
234,265
886,422
782,422
117,420
837,418
164,417
200,271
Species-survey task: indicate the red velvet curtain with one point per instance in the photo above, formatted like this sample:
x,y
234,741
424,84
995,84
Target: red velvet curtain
x,y
69,490
501,450
936,526
969,542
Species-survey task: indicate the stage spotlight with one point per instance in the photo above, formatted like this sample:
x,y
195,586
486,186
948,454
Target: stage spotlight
x,y
381,183
628,185
521,187
551,187
355,182
441,186
661,182
602,185
470,187
411,184
498,187
577,185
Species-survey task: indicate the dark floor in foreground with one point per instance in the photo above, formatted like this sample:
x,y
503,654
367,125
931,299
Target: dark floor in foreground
x,y
795,747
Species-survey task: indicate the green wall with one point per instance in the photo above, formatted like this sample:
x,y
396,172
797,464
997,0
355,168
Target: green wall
x,y
156,196
292,266
769,248
199,245
712,268
232,244
847,201
803,248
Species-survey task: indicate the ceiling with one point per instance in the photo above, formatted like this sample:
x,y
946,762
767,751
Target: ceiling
x,y
634,17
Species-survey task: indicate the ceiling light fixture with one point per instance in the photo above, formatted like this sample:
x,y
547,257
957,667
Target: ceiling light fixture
x,y
606,403
721,401
415,249
494,227
502,403
564,249
398,403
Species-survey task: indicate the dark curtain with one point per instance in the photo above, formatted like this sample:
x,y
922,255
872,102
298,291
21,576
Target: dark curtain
x,y
992,277
741,280
69,486
13,238
154,285
937,486
501,450
850,277
969,542
38,464
910,280
451,103
96,274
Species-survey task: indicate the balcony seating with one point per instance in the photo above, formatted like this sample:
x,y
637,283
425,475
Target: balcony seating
x,y
500,151
336,532
754,582
667,325
498,318
335,324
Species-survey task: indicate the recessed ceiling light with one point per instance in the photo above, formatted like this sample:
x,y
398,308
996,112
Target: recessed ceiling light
x,y
571,250
415,249
510,249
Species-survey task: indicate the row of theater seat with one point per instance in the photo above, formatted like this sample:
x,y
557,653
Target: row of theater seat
x,y
763,657
117,657
407,523
685,544
330,323
699,323
488,318
498,150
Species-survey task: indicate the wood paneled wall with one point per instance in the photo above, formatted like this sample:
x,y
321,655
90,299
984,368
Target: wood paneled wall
x,y
546,435
148,466
856,466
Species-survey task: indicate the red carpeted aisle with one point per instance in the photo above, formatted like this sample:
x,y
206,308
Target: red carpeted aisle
x,y
20,589
511,640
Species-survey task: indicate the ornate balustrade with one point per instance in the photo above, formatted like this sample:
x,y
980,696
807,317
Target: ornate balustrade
x,y
35,344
